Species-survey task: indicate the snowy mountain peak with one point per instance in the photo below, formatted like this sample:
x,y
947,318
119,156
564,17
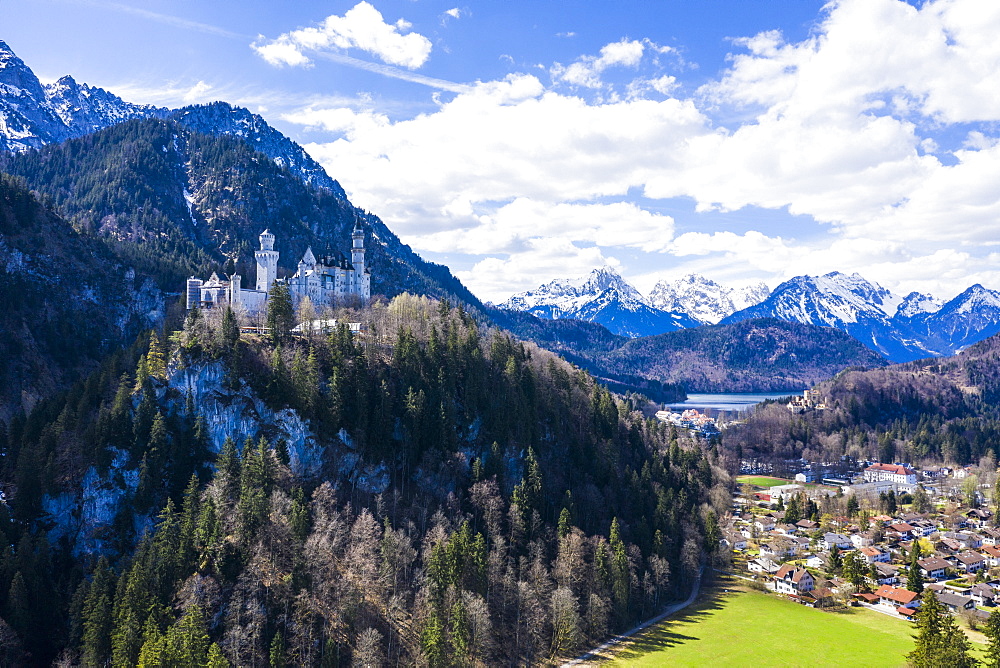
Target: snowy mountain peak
x,y
704,299
602,296
917,303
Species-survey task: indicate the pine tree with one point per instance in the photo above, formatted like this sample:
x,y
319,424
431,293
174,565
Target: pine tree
x,y
276,653
156,362
992,632
280,313
914,578
230,330
97,609
939,642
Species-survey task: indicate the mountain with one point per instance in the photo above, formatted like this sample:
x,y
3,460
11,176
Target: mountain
x,y
849,303
966,319
703,299
902,329
33,115
928,411
221,118
412,496
603,297
749,356
67,301
174,202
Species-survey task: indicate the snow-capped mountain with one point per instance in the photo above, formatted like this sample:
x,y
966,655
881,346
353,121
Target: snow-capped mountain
x,y
603,297
863,309
32,115
918,303
902,329
969,317
703,299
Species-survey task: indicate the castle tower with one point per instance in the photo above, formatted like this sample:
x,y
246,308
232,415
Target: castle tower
x,y
267,262
358,251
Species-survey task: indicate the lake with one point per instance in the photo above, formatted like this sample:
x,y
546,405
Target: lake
x,y
728,402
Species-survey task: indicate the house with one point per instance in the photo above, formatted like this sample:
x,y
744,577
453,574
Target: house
x,y
762,565
923,527
807,525
887,574
819,598
956,603
785,529
873,554
983,594
933,568
764,524
895,597
896,473
991,553
905,531
990,536
773,550
734,541
840,540
817,561
969,562
862,539
793,580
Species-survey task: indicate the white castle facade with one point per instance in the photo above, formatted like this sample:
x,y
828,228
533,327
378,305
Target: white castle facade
x,y
327,281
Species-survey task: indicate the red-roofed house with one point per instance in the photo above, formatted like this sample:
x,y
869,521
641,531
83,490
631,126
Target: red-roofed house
x,y
895,597
891,472
873,554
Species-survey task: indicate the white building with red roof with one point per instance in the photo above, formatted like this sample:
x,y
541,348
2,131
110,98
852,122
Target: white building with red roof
x,y
896,473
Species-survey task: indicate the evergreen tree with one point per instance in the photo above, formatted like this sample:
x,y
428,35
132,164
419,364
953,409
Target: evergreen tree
x,y
940,642
992,632
280,313
852,506
914,578
156,361
97,609
229,333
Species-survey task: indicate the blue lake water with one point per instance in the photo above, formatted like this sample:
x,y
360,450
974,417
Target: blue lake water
x,y
728,402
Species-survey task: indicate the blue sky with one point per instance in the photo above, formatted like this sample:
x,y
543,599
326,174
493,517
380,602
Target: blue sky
x,y
523,141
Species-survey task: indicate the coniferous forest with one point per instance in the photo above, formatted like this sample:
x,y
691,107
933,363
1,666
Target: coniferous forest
x,y
445,495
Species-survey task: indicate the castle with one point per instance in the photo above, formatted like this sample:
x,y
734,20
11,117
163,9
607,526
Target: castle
x,y
325,281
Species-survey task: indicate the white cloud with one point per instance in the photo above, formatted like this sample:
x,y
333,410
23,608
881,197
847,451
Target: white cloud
x,y
361,27
523,172
542,260
197,93
587,70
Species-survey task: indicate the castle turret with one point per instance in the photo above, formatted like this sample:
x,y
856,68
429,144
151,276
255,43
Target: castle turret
x,y
267,262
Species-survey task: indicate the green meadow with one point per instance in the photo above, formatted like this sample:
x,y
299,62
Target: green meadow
x,y
749,628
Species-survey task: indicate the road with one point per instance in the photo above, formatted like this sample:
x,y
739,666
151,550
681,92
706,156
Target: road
x,y
596,653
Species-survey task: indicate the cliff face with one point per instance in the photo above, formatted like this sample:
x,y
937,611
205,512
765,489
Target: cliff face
x,y
85,516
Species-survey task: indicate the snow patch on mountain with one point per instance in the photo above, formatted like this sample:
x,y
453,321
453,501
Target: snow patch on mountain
x,y
603,297
917,303
703,299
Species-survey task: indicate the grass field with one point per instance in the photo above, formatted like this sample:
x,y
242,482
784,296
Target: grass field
x,y
769,481
761,480
748,628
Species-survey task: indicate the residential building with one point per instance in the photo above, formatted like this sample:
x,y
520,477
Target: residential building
x,y
896,473
793,580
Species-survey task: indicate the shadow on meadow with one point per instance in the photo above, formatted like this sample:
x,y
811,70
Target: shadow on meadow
x,y
663,634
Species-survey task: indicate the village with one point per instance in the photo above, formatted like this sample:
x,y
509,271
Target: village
x,y
880,540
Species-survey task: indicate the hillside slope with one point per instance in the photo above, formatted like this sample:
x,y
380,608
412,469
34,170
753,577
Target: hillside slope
x,y
429,491
66,300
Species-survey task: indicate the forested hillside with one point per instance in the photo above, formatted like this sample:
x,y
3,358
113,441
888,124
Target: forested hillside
x,y
426,491
65,300
750,356
934,410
